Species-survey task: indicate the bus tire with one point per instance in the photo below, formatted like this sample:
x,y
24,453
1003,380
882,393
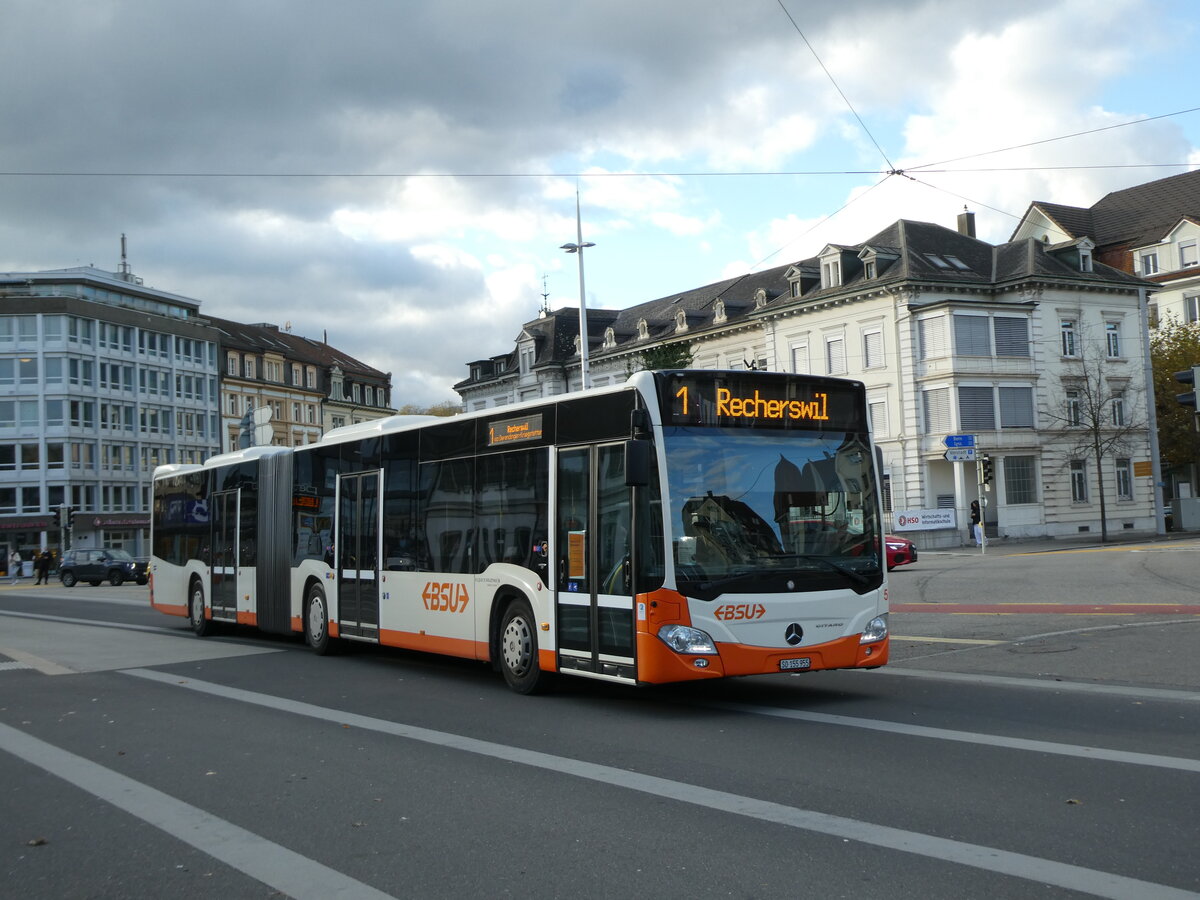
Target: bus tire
x,y
201,626
519,649
316,621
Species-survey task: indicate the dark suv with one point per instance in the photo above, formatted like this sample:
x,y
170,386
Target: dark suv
x,y
95,566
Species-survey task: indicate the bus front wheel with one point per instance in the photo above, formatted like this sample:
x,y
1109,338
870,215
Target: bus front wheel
x,y
519,649
200,625
316,621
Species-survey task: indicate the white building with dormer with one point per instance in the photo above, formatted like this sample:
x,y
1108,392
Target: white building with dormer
x,y
949,334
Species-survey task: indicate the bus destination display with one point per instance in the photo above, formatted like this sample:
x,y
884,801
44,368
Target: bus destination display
x,y
515,431
759,400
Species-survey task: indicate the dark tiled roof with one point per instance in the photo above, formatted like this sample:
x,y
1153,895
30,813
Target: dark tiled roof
x,y
912,252
263,338
1137,215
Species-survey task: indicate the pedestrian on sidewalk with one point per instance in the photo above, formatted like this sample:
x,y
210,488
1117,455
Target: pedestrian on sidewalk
x,y
41,567
976,527
14,566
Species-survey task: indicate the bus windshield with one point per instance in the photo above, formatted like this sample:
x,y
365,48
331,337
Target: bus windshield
x,y
758,511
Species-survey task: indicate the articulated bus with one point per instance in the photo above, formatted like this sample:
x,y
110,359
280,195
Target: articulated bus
x,y
684,525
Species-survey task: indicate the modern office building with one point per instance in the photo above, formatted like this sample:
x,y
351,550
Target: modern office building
x,y
101,380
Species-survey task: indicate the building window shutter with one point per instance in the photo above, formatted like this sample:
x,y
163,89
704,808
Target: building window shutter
x,y
932,333
937,410
1016,407
976,409
971,336
1012,336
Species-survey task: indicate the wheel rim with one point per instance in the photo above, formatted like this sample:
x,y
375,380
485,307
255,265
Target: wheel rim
x,y
197,608
316,618
517,646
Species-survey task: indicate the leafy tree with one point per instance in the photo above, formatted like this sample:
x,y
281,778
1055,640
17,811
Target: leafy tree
x,y
1175,346
666,356
445,408
1098,417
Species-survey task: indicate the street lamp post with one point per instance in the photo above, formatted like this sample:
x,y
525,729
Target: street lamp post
x,y
577,247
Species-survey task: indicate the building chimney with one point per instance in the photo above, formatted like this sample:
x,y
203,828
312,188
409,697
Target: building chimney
x,y
966,223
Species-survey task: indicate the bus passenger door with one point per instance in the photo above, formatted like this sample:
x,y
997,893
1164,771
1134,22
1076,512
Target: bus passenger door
x,y
593,593
357,549
224,512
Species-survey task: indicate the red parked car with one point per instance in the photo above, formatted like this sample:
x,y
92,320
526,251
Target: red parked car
x,y
900,551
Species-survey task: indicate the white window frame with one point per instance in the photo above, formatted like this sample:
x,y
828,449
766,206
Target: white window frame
x,y
1188,254
799,356
1069,331
1148,262
1112,339
835,363
1079,479
1123,475
873,351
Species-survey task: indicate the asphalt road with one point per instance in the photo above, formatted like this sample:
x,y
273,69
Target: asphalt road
x,y
1005,753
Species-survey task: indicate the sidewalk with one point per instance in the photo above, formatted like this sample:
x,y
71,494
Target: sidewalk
x,y
1011,546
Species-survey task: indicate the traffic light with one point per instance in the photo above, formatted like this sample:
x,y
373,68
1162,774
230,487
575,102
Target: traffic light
x,y
70,522
986,477
1188,376
57,517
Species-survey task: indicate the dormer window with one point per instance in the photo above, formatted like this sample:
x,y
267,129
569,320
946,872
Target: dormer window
x,y
719,311
869,269
760,298
1085,260
831,273
643,330
1148,262
1187,254
610,338
680,321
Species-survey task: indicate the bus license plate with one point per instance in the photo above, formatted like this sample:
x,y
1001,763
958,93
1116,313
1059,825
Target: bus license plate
x,y
803,663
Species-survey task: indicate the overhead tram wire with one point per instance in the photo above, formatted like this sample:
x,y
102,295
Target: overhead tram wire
x,y
1063,137
891,168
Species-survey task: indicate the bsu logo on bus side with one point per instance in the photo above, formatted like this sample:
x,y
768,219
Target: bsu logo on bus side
x,y
445,596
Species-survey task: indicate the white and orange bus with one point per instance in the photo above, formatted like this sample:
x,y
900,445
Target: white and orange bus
x,y
684,525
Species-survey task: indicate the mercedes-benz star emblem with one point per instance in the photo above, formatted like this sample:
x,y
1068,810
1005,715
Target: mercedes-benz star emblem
x,y
794,634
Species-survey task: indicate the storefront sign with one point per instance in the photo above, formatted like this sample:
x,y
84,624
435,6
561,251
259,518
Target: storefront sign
x,y
924,519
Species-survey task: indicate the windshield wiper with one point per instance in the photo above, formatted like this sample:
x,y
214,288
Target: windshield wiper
x,y
853,574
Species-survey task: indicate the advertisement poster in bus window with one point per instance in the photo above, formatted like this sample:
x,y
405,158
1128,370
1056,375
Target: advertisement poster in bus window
x,y
576,554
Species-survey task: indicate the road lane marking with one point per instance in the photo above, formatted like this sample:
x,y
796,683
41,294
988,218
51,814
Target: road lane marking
x,y
1016,865
1125,757
274,865
946,640
1078,687
29,661
1058,609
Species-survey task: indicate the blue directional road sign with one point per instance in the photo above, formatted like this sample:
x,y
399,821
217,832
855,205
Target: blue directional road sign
x,y
959,440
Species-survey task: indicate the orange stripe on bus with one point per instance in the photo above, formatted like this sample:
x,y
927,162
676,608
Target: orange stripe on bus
x,y
431,643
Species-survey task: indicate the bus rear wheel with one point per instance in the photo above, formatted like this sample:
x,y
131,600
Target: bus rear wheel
x,y
316,621
200,625
519,649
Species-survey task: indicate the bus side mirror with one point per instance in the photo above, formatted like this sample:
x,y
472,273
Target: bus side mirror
x,y
637,463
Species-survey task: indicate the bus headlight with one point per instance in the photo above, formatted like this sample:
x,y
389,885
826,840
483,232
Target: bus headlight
x,y
683,639
876,630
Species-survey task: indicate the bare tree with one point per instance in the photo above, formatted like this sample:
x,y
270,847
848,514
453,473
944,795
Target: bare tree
x,y
1099,414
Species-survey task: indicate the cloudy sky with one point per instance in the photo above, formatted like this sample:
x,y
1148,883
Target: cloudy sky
x,y
401,173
